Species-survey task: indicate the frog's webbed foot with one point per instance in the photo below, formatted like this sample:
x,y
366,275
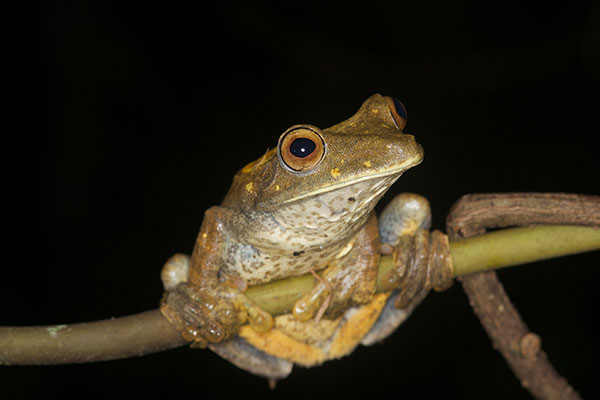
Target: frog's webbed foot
x,y
348,280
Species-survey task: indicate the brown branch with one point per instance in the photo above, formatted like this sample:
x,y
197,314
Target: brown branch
x,y
110,339
470,216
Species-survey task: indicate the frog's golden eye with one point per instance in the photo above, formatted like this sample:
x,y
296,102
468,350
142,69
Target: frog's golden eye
x,y
398,111
301,148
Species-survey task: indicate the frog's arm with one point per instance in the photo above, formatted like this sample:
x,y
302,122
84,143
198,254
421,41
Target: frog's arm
x,y
204,308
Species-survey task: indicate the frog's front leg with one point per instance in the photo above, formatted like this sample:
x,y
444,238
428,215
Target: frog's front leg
x,y
348,279
204,306
404,228
421,260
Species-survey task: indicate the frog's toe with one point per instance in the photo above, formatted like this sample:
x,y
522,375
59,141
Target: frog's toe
x,y
314,303
260,321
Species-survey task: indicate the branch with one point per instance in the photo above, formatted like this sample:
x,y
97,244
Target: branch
x,y
521,348
149,332
124,337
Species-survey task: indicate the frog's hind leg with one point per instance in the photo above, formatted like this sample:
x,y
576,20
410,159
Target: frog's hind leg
x,y
247,357
390,319
237,350
310,343
406,214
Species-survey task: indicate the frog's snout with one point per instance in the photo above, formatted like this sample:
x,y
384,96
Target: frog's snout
x,y
420,151
405,150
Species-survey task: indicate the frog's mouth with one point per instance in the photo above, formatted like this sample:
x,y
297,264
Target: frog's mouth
x,y
396,169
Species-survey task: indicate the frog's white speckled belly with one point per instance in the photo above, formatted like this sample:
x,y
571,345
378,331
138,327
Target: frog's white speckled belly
x,y
255,266
306,234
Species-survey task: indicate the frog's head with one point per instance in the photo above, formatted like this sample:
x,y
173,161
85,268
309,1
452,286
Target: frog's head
x,y
338,173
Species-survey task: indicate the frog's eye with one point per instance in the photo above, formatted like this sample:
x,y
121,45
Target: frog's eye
x,y
398,111
301,148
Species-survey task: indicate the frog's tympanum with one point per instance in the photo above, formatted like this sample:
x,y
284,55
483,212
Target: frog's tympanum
x,y
307,206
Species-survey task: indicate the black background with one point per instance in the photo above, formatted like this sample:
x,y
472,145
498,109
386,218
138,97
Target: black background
x,y
132,119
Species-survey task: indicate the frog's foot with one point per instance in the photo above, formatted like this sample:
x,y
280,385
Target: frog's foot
x,y
421,259
390,318
202,315
245,356
310,343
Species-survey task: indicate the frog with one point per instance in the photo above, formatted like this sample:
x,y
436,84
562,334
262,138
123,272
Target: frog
x,y
305,206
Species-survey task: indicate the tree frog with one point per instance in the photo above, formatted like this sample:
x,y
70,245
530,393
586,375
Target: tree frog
x,y
304,206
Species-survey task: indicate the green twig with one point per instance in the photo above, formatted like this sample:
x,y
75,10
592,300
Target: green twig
x,y
149,332
516,246
498,249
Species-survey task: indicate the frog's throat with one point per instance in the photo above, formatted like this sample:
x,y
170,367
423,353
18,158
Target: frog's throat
x,y
396,169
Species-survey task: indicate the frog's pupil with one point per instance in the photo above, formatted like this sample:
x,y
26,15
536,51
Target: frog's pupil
x,y
302,147
400,108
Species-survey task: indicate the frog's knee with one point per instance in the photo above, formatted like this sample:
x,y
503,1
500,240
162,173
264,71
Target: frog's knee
x,y
175,271
406,213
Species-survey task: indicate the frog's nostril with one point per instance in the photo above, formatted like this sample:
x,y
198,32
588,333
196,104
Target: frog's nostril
x,y
403,148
